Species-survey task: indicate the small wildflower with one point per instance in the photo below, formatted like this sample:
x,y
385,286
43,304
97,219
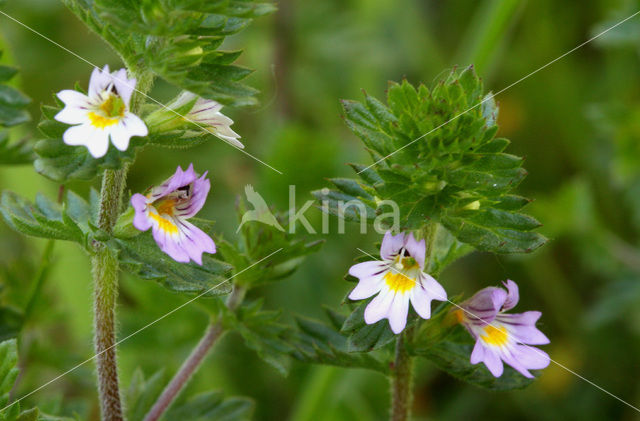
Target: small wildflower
x,y
206,113
102,114
166,208
503,337
397,279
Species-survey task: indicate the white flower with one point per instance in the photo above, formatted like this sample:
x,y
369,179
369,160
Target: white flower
x,y
206,114
398,279
102,114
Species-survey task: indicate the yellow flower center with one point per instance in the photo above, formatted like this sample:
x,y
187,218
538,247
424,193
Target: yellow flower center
x,y
165,207
399,282
113,106
164,224
110,112
495,335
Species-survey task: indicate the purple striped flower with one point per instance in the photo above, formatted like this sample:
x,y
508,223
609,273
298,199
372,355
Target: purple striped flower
x,y
166,208
503,337
397,279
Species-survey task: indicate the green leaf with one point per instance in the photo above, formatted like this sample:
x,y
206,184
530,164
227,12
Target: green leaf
x,y
211,406
63,163
319,343
495,230
141,256
142,394
453,354
44,218
436,156
263,333
362,337
8,375
178,41
14,153
12,102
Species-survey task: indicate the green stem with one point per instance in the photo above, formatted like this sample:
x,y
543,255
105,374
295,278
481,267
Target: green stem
x,y
191,364
105,268
401,381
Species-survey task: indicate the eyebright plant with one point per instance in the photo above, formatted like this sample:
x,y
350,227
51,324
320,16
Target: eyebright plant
x,y
434,153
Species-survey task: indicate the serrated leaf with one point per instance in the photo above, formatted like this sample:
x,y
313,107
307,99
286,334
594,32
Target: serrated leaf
x,y
362,337
437,158
495,230
318,343
141,256
263,333
179,41
40,219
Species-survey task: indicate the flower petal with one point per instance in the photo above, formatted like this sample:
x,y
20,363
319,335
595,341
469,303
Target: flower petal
x,y
427,290
398,312
367,269
477,355
531,357
194,241
379,307
391,245
416,249
493,362
512,295
201,187
97,141
99,81
168,243
367,287
124,85
522,327
485,304
140,219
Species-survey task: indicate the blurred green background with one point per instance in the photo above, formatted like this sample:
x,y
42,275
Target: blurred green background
x,y
577,122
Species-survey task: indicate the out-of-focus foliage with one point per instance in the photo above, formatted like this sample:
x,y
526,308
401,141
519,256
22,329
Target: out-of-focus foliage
x,y
13,112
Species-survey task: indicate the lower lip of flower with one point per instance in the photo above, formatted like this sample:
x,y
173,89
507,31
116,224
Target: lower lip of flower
x,y
496,336
399,282
164,224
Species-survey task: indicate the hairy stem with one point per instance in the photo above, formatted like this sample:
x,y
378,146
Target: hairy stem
x,y
401,382
105,267
105,277
191,364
